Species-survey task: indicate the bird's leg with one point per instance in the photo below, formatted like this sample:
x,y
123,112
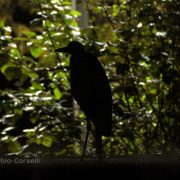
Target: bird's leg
x,y
85,143
98,143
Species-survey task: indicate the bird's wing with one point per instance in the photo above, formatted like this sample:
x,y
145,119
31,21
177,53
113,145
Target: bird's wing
x,y
90,88
94,91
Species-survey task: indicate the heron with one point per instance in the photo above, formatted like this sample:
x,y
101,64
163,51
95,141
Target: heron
x,y
91,90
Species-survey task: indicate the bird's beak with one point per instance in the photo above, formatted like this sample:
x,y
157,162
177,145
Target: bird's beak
x,y
65,50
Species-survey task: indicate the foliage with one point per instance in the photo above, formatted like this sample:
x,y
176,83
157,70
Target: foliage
x,y
136,41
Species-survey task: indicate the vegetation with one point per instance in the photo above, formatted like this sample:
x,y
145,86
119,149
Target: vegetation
x,y
138,44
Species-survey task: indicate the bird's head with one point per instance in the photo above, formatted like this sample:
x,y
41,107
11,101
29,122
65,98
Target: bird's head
x,y
73,48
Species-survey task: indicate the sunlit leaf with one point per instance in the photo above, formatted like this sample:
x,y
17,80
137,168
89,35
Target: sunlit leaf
x,y
115,10
14,53
36,86
47,141
57,93
36,51
75,13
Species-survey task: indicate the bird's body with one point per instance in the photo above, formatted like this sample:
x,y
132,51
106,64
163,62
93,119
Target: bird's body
x,y
91,90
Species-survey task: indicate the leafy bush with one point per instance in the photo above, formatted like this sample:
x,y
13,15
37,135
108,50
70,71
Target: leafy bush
x,y
136,41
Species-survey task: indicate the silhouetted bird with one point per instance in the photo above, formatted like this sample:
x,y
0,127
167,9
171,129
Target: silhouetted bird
x,y
91,90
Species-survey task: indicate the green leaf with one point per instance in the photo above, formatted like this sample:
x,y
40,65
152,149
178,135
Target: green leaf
x,y
75,13
36,51
115,10
57,94
47,141
36,86
14,53
29,34
29,72
14,146
33,75
1,24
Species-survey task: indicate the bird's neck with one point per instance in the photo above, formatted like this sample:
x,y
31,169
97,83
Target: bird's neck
x,y
79,56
